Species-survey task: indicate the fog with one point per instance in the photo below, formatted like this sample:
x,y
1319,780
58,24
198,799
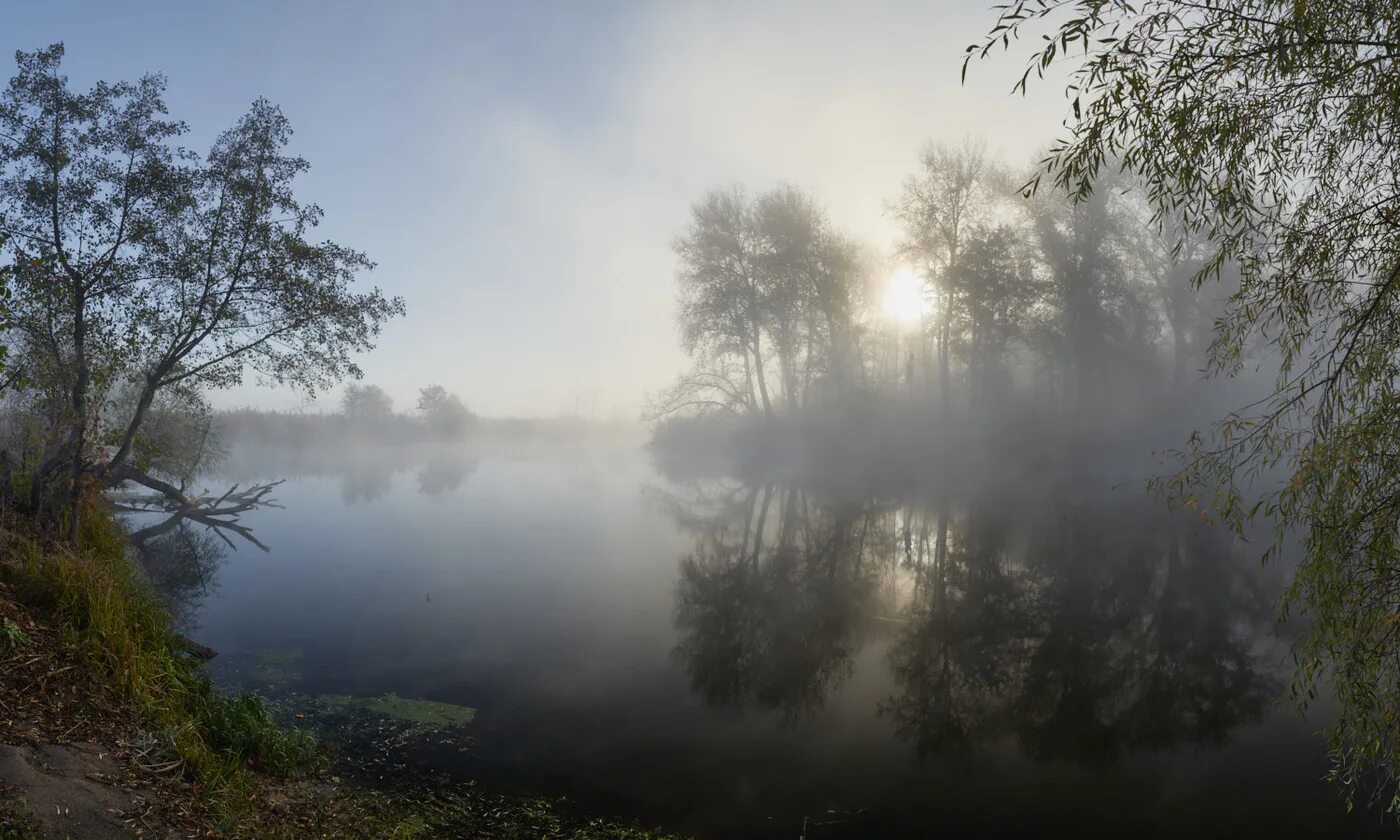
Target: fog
x,y
738,418
517,175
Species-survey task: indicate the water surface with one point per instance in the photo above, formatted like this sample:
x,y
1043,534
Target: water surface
x,y
735,659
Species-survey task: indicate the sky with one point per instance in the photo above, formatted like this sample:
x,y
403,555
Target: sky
x,y
518,171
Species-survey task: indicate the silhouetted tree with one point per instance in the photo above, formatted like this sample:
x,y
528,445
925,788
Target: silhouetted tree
x,y
953,193
721,306
995,289
758,279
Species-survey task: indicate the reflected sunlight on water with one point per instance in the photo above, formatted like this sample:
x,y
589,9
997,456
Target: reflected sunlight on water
x,y
730,659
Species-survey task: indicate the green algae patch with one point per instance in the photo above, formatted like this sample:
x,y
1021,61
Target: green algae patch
x,y
279,668
405,710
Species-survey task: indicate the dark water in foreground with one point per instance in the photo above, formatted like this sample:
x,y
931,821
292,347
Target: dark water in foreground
x,y
732,660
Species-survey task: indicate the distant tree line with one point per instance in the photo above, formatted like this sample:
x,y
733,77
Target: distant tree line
x,y
365,412
440,412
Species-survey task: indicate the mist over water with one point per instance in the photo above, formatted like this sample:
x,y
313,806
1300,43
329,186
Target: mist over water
x,y
731,657
872,419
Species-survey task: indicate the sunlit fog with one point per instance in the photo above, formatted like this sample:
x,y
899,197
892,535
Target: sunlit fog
x,y
699,420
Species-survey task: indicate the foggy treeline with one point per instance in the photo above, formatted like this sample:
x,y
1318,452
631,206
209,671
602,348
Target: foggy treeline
x,y
365,413
367,440
1000,322
912,451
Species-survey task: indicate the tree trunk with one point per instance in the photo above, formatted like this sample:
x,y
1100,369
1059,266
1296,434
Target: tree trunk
x,y
81,381
790,389
762,377
748,377
143,405
837,339
203,653
944,388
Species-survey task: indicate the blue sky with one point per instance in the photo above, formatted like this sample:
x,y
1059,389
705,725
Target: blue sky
x,y
517,170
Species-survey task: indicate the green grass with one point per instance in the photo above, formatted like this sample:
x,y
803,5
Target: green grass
x,y
121,631
239,729
12,636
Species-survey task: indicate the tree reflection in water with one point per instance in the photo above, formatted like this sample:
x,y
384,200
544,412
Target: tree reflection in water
x,y
181,550
1081,627
445,475
370,479
774,601
181,558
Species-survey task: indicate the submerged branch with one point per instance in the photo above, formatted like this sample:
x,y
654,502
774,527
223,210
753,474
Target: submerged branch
x,y
218,514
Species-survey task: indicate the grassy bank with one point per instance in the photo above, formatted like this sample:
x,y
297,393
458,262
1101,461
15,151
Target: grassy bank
x,y
121,632
216,763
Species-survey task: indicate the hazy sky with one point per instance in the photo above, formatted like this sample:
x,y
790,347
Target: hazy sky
x,y
518,170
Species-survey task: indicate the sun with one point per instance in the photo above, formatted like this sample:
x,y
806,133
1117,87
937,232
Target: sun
x,y
906,297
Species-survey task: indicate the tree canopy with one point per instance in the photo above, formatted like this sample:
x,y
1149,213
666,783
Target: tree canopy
x,y
140,264
1268,129
761,277
366,403
443,411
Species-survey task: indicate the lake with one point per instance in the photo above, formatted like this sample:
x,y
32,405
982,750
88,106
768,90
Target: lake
x,y
740,660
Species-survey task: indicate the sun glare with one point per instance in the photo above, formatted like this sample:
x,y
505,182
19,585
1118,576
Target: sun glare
x,y
906,300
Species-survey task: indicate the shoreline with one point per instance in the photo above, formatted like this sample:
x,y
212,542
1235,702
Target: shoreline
x,y
87,752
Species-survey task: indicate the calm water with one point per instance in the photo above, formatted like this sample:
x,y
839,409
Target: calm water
x,y
728,660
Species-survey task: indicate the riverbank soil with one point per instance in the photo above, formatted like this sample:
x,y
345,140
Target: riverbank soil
x,y
69,758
